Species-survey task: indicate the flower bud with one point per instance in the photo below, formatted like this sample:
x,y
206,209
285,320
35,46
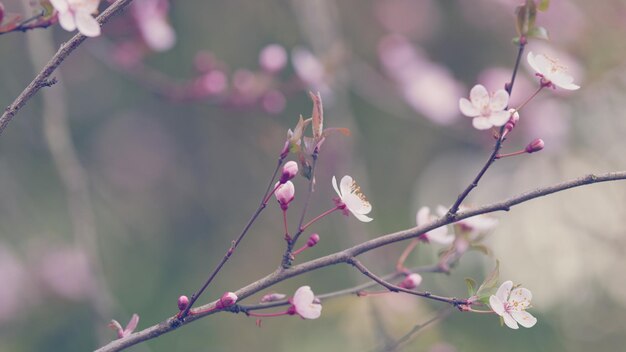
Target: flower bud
x,y
290,170
508,127
285,194
227,300
1,12
313,239
411,281
183,302
535,146
272,297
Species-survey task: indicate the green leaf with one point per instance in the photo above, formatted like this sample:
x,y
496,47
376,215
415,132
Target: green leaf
x,y
488,287
539,33
471,286
525,17
543,5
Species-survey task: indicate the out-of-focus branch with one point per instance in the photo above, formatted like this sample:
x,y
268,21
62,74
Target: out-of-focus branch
x,y
348,255
43,79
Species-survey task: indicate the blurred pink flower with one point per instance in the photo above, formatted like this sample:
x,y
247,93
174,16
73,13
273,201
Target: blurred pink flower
x,y
426,86
152,20
311,71
273,58
66,272
439,235
214,82
12,277
550,119
273,102
414,18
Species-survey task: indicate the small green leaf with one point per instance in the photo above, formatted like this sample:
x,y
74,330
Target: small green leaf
x,y
525,17
471,286
481,248
543,5
539,33
488,287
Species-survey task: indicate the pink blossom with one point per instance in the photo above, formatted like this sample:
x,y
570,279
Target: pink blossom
x,y
75,14
511,304
304,304
285,193
273,58
152,20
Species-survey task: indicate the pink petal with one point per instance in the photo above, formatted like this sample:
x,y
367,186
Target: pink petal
x,y
499,118
87,25
499,100
67,22
504,290
509,321
479,96
60,6
481,123
496,305
525,319
533,63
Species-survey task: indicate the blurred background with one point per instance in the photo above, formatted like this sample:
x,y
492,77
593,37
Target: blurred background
x,y
122,186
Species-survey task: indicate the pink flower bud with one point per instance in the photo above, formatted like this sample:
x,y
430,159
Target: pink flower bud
x,y
313,239
273,58
183,302
535,146
1,12
285,194
290,170
227,300
272,297
508,127
285,151
411,281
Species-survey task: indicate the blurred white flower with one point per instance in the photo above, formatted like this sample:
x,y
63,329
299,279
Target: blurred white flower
x,y
152,20
439,235
304,303
552,73
351,197
511,305
487,110
75,14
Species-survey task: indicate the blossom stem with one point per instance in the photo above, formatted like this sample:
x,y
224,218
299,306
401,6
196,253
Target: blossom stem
x,y
287,236
506,155
405,254
529,98
318,218
308,196
299,250
234,243
470,309
267,315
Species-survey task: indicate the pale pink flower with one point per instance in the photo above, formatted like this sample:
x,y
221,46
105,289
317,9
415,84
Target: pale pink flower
x,y
152,20
305,305
351,197
272,297
75,14
552,72
290,170
511,305
228,299
411,281
285,193
439,235
488,110
273,58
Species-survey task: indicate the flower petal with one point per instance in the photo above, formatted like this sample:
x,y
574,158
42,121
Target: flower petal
x,y
509,321
303,296
346,186
467,108
531,58
520,299
440,235
87,25
479,96
524,318
504,290
496,305
499,118
423,216
335,186
357,205
60,5
499,100
481,123
67,22
362,217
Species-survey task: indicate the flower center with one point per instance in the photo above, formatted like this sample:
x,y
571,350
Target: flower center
x,y
555,65
356,190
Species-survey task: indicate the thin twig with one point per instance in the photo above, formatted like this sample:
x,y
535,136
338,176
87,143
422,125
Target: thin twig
x,y
234,243
442,314
345,255
496,148
42,79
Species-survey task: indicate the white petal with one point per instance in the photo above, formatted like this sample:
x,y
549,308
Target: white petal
x,y
543,65
335,186
504,290
67,22
499,118
87,25
467,108
90,6
441,210
346,185
362,217
440,235
303,296
479,96
525,319
423,216
499,100
520,298
312,311
509,321
59,5
496,305
563,80
532,62
356,204
481,123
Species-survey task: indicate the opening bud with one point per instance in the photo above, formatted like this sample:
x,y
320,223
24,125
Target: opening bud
x,y
273,297
183,302
508,127
227,300
313,239
535,146
411,281
285,194
290,170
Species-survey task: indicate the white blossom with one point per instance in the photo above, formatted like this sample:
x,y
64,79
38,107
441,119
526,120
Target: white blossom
x,y
551,71
511,305
350,195
304,303
488,110
77,14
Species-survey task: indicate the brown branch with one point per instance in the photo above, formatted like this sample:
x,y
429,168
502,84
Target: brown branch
x,y
348,254
43,78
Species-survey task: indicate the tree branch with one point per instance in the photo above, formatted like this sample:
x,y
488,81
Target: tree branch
x,y
348,254
43,78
